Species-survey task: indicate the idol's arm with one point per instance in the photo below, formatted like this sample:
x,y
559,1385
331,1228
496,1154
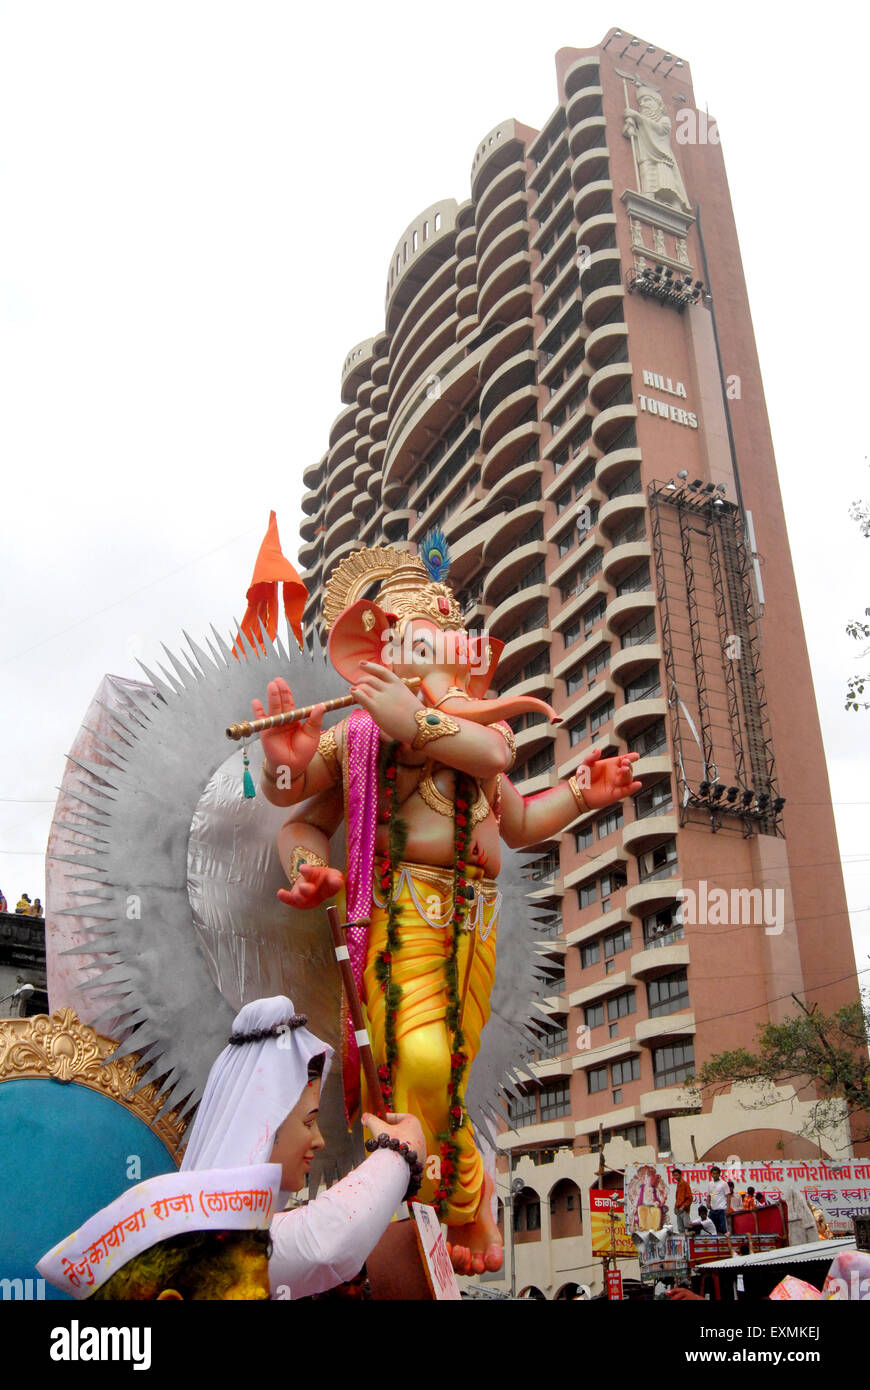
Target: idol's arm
x,y
303,848
526,820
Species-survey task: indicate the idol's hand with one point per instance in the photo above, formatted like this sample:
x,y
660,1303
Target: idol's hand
x,y
388,700
316,883
290,745
609,779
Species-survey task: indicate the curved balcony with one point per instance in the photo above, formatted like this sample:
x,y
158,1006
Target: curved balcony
x,y
613,467
342,425
670,1100
501,249
583,702
514,374
601,270
466,327
601,382
361,505
595,197
338,505
622,559
544,204
342,529
312,476
519,652
512,209
582,105
504,346
661,960
309,528
532,739
573,558
380,397
505,277
511,570
466,301
506,489
499,460
381,366
507,414
466,270
361,449
631,661
610,423
597,231
508,529
509,614
376,453
615,511
588,134
541,687
662,1030
644,898
375,483
565,280
363,418
565,242
341,474
644,834
308,554
592,166
397,524
515,303
427,414
591,868
582,74
630,719
465,236
346,548
600,303
312,502
356,366
433,288
418,362
649,770
430,238
511,180
577,602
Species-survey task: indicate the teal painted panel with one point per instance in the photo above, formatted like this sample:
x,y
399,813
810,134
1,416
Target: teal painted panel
x,y
64,1153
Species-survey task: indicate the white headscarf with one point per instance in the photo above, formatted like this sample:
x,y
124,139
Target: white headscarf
x,y
252,1088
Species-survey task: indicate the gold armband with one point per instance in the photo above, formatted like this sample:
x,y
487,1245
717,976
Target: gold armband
x,y
507,734
578,795
302,855
328,750
432,724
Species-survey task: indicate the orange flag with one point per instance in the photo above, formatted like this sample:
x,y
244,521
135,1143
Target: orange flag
x,y
271,569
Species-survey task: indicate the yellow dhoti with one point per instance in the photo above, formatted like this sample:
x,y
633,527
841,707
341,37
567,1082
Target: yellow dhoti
x,y
421,1072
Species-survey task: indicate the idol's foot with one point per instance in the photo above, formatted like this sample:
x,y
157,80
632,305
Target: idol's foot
x,y
477,1247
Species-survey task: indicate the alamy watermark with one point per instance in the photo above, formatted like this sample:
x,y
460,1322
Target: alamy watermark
x,y
741,907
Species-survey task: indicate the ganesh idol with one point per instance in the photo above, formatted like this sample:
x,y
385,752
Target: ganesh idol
x,y
419,771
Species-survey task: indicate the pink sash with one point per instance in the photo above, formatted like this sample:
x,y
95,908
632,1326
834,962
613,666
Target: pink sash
x,y
363,744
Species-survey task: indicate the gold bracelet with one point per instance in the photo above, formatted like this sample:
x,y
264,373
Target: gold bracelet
x,y
302,855
578,795
328,750
507,734
431,724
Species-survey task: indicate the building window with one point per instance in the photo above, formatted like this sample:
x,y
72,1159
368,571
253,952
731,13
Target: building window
x,y
606,824
523,1109
671,1065
646,687
593,614
600,715
652,740
587,894
668,994
590,954
616,942
655,801
637,581
642,631
626,1070
593,1015
555,1101
611,883
575,679
596,1079
583,838
660,862
571,633
597,662
663,1135
662,928
621,1005
577,733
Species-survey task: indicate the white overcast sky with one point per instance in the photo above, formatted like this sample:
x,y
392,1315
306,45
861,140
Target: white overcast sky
x,y
199,201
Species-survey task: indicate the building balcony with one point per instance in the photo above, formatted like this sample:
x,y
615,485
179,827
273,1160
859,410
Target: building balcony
x,y
504,278
515,303
585,103
660,960
573,558
626,609
512,208
509,614
670,1100
652,769
592,165
582,75
501,249
551,1068
592,198
312,502
427,351
466,301
342,426
621,560
656,1031
644,834
616,512
606,921
564,245
601,382
341,474
531,1136
308,554
581,703
511,485
614,467
425,415
598,304
313,475
611,1051
342,529
578,652
504,346
588,134
396,524
591,868
631,661
338,505
501,458
599,989
466,269
567,279
377,453
362,502
466,236
511,570
532,739
645,898
515,373
520,651
508,183
630,719
577,602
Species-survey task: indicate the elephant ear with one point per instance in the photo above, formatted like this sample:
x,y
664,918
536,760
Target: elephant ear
x,y
357,636
483,661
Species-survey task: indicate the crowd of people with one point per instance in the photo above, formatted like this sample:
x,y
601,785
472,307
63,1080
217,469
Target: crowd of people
x,y
24,907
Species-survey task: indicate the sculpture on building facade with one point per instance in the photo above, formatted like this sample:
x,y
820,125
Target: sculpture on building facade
x,y
420,779
649,129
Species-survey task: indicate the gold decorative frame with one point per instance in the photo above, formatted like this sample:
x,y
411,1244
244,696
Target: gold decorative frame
x,y
61,1048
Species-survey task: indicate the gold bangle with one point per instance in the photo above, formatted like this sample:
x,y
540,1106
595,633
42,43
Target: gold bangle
x,y
432,724
578,795
327,747
302,855
507,734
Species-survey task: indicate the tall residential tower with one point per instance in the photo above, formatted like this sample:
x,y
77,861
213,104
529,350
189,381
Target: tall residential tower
x,y
567,383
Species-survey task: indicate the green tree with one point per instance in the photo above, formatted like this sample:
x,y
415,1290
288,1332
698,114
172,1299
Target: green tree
x,y
828,1050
